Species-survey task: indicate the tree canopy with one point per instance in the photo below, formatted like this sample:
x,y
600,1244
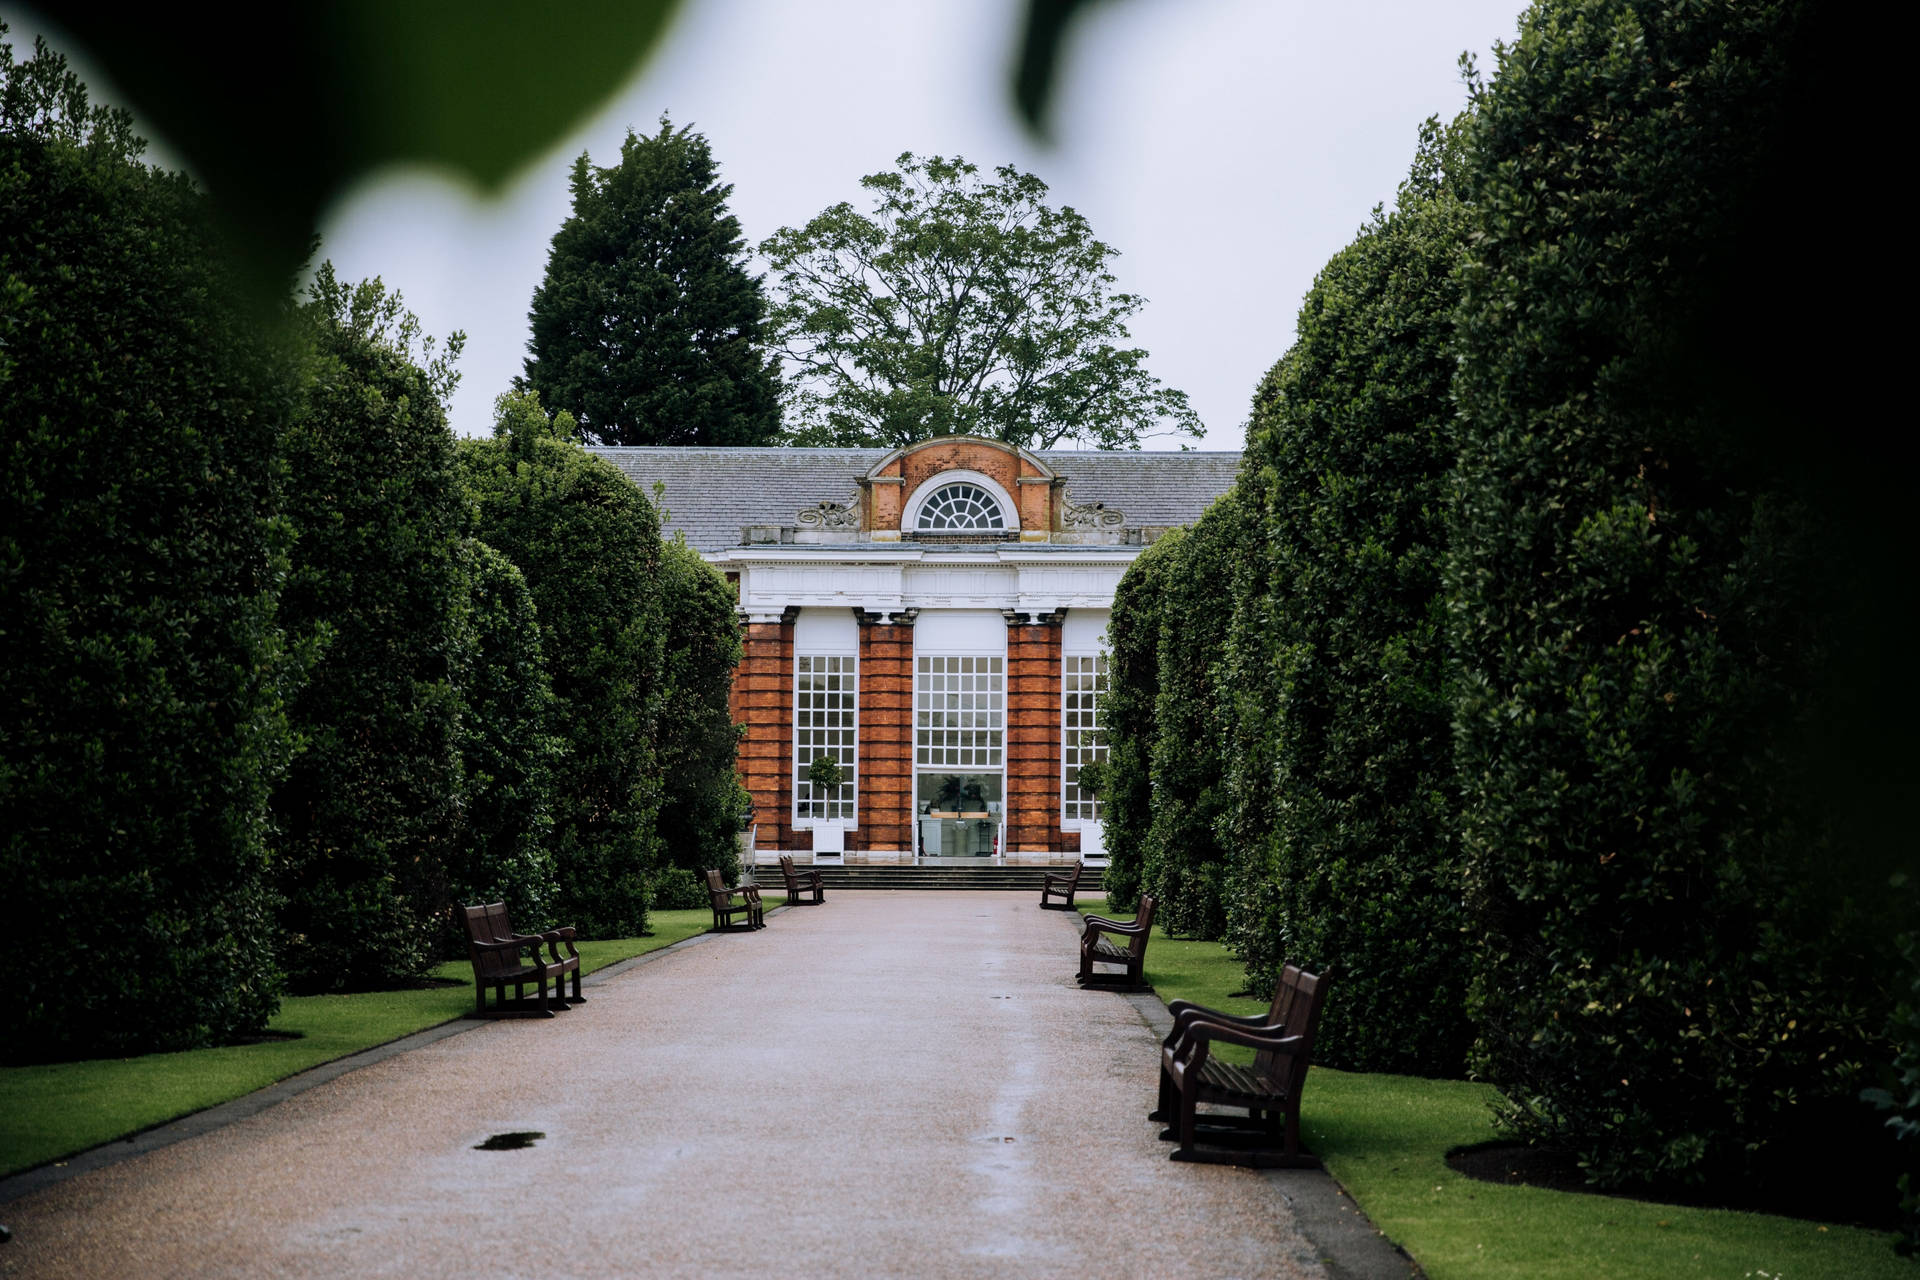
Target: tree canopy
x,y
960,305
647,328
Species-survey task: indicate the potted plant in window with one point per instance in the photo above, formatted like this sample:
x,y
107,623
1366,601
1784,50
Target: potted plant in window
x,y
826,775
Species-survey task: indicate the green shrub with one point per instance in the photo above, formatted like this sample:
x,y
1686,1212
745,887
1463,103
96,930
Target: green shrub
x,y
1133,636
588,544
140,560
369,813
508,753
1182,858
700,810
1684,966
1354,863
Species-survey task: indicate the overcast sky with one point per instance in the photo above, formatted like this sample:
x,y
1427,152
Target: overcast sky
x,y
1226,149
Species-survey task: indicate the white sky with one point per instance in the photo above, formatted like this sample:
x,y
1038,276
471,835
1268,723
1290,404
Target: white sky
x,y
1226,148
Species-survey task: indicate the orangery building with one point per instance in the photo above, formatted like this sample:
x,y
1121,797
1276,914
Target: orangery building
x,y
932,619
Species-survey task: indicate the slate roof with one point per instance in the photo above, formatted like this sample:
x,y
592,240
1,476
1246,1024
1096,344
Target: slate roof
x,y
712,493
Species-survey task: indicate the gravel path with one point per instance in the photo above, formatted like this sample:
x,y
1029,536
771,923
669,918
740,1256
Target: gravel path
x,y
894,1084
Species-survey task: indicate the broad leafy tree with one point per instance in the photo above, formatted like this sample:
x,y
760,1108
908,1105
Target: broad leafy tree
x,y
143,719
369,813
960,305
647,327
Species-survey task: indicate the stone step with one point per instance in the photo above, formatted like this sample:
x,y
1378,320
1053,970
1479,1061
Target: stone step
x,y
1004,878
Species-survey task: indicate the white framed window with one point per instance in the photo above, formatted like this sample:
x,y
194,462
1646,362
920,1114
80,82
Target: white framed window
x,y
958,501
1083,735
958,507
826,721
959,712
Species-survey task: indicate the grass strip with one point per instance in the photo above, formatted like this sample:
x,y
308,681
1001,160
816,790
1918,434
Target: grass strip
x,y
1386,1137
51,1111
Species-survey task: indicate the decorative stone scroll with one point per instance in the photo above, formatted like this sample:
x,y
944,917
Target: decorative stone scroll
x,y
1094,515
829,515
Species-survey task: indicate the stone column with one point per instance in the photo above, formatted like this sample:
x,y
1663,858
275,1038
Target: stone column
x,y
763,700
1033,734
886,733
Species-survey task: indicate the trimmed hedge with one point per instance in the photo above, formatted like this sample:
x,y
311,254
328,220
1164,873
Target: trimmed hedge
x,y
700,809
140,557
1686,958
508,753
1354,852
1133,636
369,813
588,544
1183,860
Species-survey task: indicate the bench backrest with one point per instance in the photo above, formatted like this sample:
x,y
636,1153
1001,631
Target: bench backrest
x,y
786,869
489,924
717,890
1143,918
1297,998
1073,877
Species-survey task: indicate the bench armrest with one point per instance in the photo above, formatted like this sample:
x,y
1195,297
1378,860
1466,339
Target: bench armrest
x,y
505,944
1273,1040
1186,1013
1100,924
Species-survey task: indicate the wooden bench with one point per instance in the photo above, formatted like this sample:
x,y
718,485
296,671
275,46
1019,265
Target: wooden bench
x,y
496,951
1095,949
1062,887
1267,1136
802,886
725,908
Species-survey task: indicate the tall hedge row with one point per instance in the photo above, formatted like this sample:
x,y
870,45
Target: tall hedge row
x,y
1183,862
1567,668
508,751
1133,637
588,544
1682,968
143,718
1354,434
367,817
702,797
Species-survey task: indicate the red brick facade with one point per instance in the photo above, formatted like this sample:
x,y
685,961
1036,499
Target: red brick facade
x,y
763,702
1033,737
886,736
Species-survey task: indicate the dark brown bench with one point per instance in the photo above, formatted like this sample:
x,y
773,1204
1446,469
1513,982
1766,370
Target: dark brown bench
x,y
725,908
496,952
1095,949
802,886
1062,887
1267,1136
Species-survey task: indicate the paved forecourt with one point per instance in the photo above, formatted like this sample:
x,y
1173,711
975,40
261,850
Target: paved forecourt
x,y
891,1084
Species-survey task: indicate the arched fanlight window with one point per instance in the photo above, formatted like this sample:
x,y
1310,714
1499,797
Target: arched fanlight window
x,y
959,506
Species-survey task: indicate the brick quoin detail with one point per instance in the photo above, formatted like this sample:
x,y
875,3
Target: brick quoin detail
x,y
886,737
1033,737
763,702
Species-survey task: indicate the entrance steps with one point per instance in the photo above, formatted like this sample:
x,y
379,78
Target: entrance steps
x,y
1022,878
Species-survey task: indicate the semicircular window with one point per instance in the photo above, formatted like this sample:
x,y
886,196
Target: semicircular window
x,y
960,506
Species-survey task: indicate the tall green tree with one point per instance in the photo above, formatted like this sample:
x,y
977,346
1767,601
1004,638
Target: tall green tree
x,y
369,814
588,543
141,558
648,328
961,305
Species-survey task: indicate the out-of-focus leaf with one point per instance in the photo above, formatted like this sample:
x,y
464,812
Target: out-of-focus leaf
x,y
1043,35
281,111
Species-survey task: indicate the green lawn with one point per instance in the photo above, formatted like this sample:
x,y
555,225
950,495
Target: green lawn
x,y
1386,1137
47,1112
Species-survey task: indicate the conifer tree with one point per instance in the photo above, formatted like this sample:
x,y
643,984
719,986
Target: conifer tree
x,y
647,328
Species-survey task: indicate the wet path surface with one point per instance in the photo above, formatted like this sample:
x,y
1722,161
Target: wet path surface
x,y
899,1084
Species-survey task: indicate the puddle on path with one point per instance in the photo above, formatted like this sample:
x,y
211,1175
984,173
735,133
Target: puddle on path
x,y
515,1141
